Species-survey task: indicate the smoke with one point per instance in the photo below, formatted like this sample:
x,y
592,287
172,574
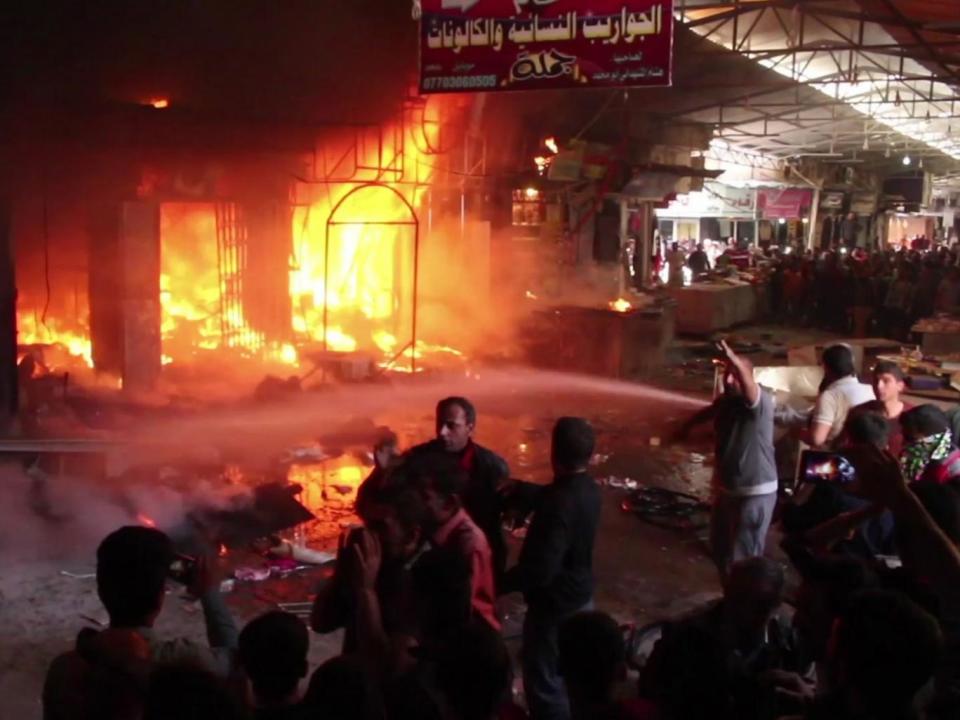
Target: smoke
x,y
257,431
62,518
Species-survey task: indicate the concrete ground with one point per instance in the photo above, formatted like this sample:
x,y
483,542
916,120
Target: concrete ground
x,y
644,572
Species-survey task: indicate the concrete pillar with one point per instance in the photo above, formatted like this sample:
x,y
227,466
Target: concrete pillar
x,y
623,280
645,240
814,219
140,303
9,395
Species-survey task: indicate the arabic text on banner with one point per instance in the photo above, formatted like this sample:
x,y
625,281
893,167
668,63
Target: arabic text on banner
x,y
489,45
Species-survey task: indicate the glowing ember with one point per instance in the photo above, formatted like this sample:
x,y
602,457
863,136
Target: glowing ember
x,y
329,486
145,520
32,332
551,144
620,305
158,103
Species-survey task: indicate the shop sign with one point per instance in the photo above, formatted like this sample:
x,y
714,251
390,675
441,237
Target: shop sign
x,y
863,203
783,202
831,200
487,45
715,200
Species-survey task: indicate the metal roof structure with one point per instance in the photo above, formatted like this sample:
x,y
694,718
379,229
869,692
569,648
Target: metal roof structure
x,y
849,81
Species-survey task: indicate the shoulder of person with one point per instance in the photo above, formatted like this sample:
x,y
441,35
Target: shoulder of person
x,y
488,458
425,447
469,538
179,651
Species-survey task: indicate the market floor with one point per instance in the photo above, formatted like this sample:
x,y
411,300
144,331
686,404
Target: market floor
x,y
644,572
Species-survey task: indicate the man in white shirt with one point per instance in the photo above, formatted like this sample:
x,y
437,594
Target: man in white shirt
x,y
841,392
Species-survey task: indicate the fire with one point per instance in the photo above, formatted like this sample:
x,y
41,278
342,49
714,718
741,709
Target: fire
x,y
551,144
620,305
32,332
189,280
351,267
329,486
145,520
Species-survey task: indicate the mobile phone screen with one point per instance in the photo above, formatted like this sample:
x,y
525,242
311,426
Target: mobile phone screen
x,y
820,466
182,569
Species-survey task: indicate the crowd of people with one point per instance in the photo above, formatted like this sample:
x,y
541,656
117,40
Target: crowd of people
x,y
415,587
881,292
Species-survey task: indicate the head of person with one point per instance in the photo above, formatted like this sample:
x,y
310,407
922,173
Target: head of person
x,y
731,380
571,445
887,381
865,429
343,688
592,657
922,422
752,593
273,654
132,567
674,247
187,692
883,649
456,421
441,484
396,518
838,362
826,587
700,247
474,673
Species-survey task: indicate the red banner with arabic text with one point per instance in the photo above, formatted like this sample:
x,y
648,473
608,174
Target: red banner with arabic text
x,y
784,202
489,45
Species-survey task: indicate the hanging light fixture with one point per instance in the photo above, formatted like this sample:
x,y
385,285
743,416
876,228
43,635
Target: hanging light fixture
x,y
906,159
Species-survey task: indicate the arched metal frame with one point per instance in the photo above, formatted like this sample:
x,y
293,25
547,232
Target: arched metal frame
x,y
415,223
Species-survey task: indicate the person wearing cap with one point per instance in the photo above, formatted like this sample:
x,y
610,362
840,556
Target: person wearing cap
x,y
841,391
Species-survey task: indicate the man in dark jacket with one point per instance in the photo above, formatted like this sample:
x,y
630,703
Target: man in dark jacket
x,y
487,472
555,570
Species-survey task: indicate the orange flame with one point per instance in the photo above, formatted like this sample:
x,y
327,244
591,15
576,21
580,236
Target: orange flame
x,y
31,332
620,305
352,261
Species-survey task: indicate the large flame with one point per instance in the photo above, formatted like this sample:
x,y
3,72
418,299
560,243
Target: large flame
x,y
351,270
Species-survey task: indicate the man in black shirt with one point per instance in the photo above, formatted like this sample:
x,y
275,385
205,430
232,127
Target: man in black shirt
x,y
487,472
555,570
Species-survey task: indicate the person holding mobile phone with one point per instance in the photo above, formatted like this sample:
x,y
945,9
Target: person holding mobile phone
x,y
133,567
